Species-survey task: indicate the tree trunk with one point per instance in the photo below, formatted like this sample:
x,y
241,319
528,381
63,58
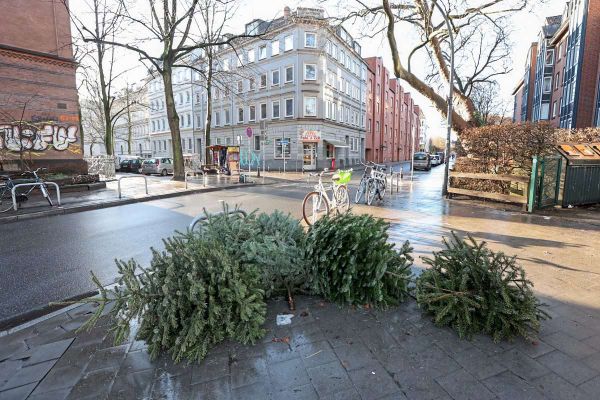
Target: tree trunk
x,y
208,107
441,103
173,117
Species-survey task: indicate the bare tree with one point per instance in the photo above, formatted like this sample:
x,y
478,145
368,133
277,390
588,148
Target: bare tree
x,y
21,135
170,23
490,107
99,58
482,46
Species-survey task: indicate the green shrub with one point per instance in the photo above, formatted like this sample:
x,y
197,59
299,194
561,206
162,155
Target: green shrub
x,y
475,290
352,262
194,295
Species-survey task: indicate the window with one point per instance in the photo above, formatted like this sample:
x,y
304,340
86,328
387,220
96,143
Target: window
x,y
240,115
252,113
327,109
274,48
549,57
547,84
310,72
263,111
275,77
240,86
262,52
217,118
275,109
154,127
252,83
557,81
282,148
189,119
227,116
289,107
189,144
545,111
289,74
310,106
251,56
187,97
256,143
288,43
554,110
310,39
263,81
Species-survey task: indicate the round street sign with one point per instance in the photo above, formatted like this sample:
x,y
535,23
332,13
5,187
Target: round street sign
x,y
249,132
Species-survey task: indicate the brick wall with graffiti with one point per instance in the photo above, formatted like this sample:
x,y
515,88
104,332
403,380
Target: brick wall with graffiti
x,y
50,140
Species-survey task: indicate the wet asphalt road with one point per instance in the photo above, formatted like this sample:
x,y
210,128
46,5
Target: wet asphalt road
x,y
49,259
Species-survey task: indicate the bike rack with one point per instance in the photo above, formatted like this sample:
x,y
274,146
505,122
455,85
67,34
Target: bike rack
x,y
14,188
398,176
132,176
204,217
188,173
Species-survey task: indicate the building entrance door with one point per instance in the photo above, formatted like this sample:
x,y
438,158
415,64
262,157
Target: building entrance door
x,y
309,156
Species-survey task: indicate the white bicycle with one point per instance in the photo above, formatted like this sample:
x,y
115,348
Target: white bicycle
x,y
317,203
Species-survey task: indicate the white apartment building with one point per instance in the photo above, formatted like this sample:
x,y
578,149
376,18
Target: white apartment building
x,y
301,92
134,120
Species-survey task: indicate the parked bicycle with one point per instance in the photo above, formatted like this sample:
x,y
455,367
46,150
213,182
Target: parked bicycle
x,y
373,180
6,190
376,186
317,203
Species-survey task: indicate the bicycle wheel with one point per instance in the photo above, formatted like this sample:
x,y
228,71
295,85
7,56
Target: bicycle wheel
x,y
362,188
342,199
314,207
6,203
371,191
382,186
44,189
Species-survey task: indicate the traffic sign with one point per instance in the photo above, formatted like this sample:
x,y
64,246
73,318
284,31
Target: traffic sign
x,y
249,132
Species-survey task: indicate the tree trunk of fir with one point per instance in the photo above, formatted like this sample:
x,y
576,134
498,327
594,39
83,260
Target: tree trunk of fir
x,y
173,117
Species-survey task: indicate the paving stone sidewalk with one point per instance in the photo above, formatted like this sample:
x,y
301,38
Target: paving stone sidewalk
x,y
333,353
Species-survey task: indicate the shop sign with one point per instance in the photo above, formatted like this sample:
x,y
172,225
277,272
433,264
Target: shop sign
x,y
310,136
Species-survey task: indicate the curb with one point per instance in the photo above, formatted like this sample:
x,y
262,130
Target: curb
x,y
120,202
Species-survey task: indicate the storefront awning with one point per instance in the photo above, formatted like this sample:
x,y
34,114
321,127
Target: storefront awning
x,y
337,143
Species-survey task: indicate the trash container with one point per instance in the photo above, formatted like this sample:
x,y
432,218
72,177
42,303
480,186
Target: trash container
x,y
582,174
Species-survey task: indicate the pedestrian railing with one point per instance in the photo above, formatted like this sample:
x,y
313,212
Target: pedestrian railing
x,y
205,216
129,177
194,172
508,198
40,184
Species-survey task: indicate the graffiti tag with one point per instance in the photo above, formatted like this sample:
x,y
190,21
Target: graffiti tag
x,y
29,138
253,159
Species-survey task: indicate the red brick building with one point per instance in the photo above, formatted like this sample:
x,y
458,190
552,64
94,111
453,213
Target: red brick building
x,y
39,112
393,120
564,66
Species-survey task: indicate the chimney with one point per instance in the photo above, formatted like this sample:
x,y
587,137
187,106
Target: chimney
x,y
286,12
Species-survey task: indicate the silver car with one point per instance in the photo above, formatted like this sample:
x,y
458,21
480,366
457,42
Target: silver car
x,y
422,160
161,166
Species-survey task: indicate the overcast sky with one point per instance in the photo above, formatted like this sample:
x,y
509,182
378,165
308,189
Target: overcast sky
x,y
525,28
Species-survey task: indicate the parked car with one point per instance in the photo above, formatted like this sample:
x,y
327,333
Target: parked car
x,y
132,165
442,156
161,166
119,158
422,160
435,160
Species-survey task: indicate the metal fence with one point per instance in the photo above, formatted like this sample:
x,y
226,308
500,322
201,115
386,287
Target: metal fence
x,y
102,165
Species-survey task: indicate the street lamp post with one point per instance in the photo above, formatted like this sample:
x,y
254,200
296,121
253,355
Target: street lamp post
x,y
450,92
